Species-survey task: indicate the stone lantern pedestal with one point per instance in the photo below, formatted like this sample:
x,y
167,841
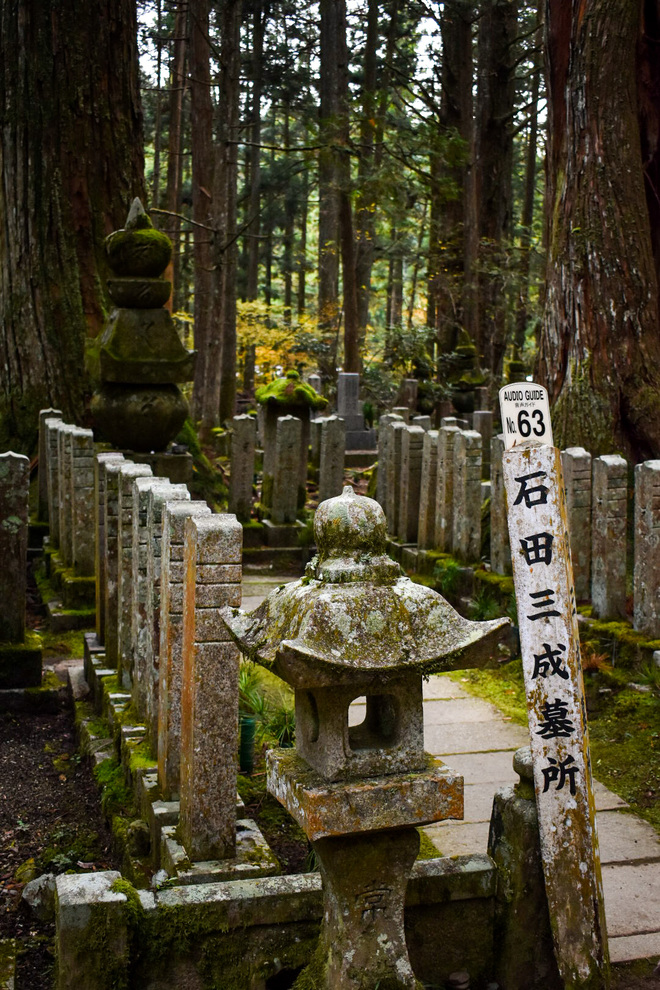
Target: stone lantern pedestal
x,y
355,627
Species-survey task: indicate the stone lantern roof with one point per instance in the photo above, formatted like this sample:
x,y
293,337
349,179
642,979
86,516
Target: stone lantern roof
x,y
354,618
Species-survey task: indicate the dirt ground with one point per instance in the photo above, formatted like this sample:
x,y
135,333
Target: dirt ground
x,y
50,815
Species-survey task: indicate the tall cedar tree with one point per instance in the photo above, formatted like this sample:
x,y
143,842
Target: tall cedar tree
x,y
71,161
600,347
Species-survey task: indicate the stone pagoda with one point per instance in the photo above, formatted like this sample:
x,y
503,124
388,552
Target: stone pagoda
x,y
356,627
139,406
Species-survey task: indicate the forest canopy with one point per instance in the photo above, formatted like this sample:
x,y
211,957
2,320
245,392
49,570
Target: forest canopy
x,y
395,187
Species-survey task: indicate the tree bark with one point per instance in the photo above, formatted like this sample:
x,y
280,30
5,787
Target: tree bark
x,y
207,336
171,224
600,347
70,164
328,290
495,102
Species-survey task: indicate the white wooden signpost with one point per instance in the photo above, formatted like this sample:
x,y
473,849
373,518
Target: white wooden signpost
x,y
550,646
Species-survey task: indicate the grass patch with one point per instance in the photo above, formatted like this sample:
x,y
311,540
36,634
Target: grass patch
x,y
624,729
503,686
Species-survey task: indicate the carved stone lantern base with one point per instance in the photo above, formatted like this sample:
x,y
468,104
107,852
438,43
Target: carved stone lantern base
x,y
363,833
362,943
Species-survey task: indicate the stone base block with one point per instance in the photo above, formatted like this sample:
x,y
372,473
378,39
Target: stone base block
x,y
37,701
409,559
177,468
20,663
253,535
361,439
281,536
92,646
61,619
86,904
253,858
326,810
359,458
78,592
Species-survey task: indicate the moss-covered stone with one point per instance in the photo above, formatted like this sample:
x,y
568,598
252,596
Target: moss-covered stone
x,y
20,663
290,391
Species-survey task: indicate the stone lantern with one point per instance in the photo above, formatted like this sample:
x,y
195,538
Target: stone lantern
x,y
355,627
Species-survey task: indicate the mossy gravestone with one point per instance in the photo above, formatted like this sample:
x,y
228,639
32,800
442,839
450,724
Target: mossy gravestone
x,y
288,396
20,661
141,359
353,627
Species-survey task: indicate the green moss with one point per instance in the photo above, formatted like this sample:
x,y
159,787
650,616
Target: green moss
x,y
141,757
290,391
427,850
116,797
133,910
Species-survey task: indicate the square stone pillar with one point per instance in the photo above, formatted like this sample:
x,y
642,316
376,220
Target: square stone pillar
x,y
51,430
383,456
158,497
444,502
467,496
609,507
412,439
287,459
64,464
576,468
101,540
423,421
42,507
82,499
396,430
482,422
331,461
646,588
170,672
128,472
500,548
14,493
426,525
403,412
243,446
209,701
111,617
142,550
348,400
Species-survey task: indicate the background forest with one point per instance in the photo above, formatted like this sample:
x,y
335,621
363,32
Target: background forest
x,y
362,185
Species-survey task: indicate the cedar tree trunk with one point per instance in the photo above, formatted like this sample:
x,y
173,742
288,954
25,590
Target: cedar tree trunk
x,y
70,164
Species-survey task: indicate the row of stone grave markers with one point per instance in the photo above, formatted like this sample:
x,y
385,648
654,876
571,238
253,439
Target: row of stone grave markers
x,y
430,486
164,566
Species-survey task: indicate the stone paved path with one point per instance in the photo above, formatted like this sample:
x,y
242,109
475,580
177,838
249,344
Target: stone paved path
x,y
474,738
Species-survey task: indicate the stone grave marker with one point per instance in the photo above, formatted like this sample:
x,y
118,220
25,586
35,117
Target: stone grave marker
x,y
410,481
646,575
576,468
608,536
383,456
466,539
444,500
243,447
101,549
14,489
170,672
44,414
550,646
209,697
426,526
331,460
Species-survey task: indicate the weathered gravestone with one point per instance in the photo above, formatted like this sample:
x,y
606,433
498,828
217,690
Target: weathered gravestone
x,y
500,548
101,546
466,538
20,660
384,436
331,460
410,482
608,536
576,468
550,646
354,626
285,499
174,516
444,502
426,526
646,574
44,414
243,447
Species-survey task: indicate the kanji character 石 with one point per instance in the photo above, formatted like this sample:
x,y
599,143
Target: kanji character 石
x,y
531,496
